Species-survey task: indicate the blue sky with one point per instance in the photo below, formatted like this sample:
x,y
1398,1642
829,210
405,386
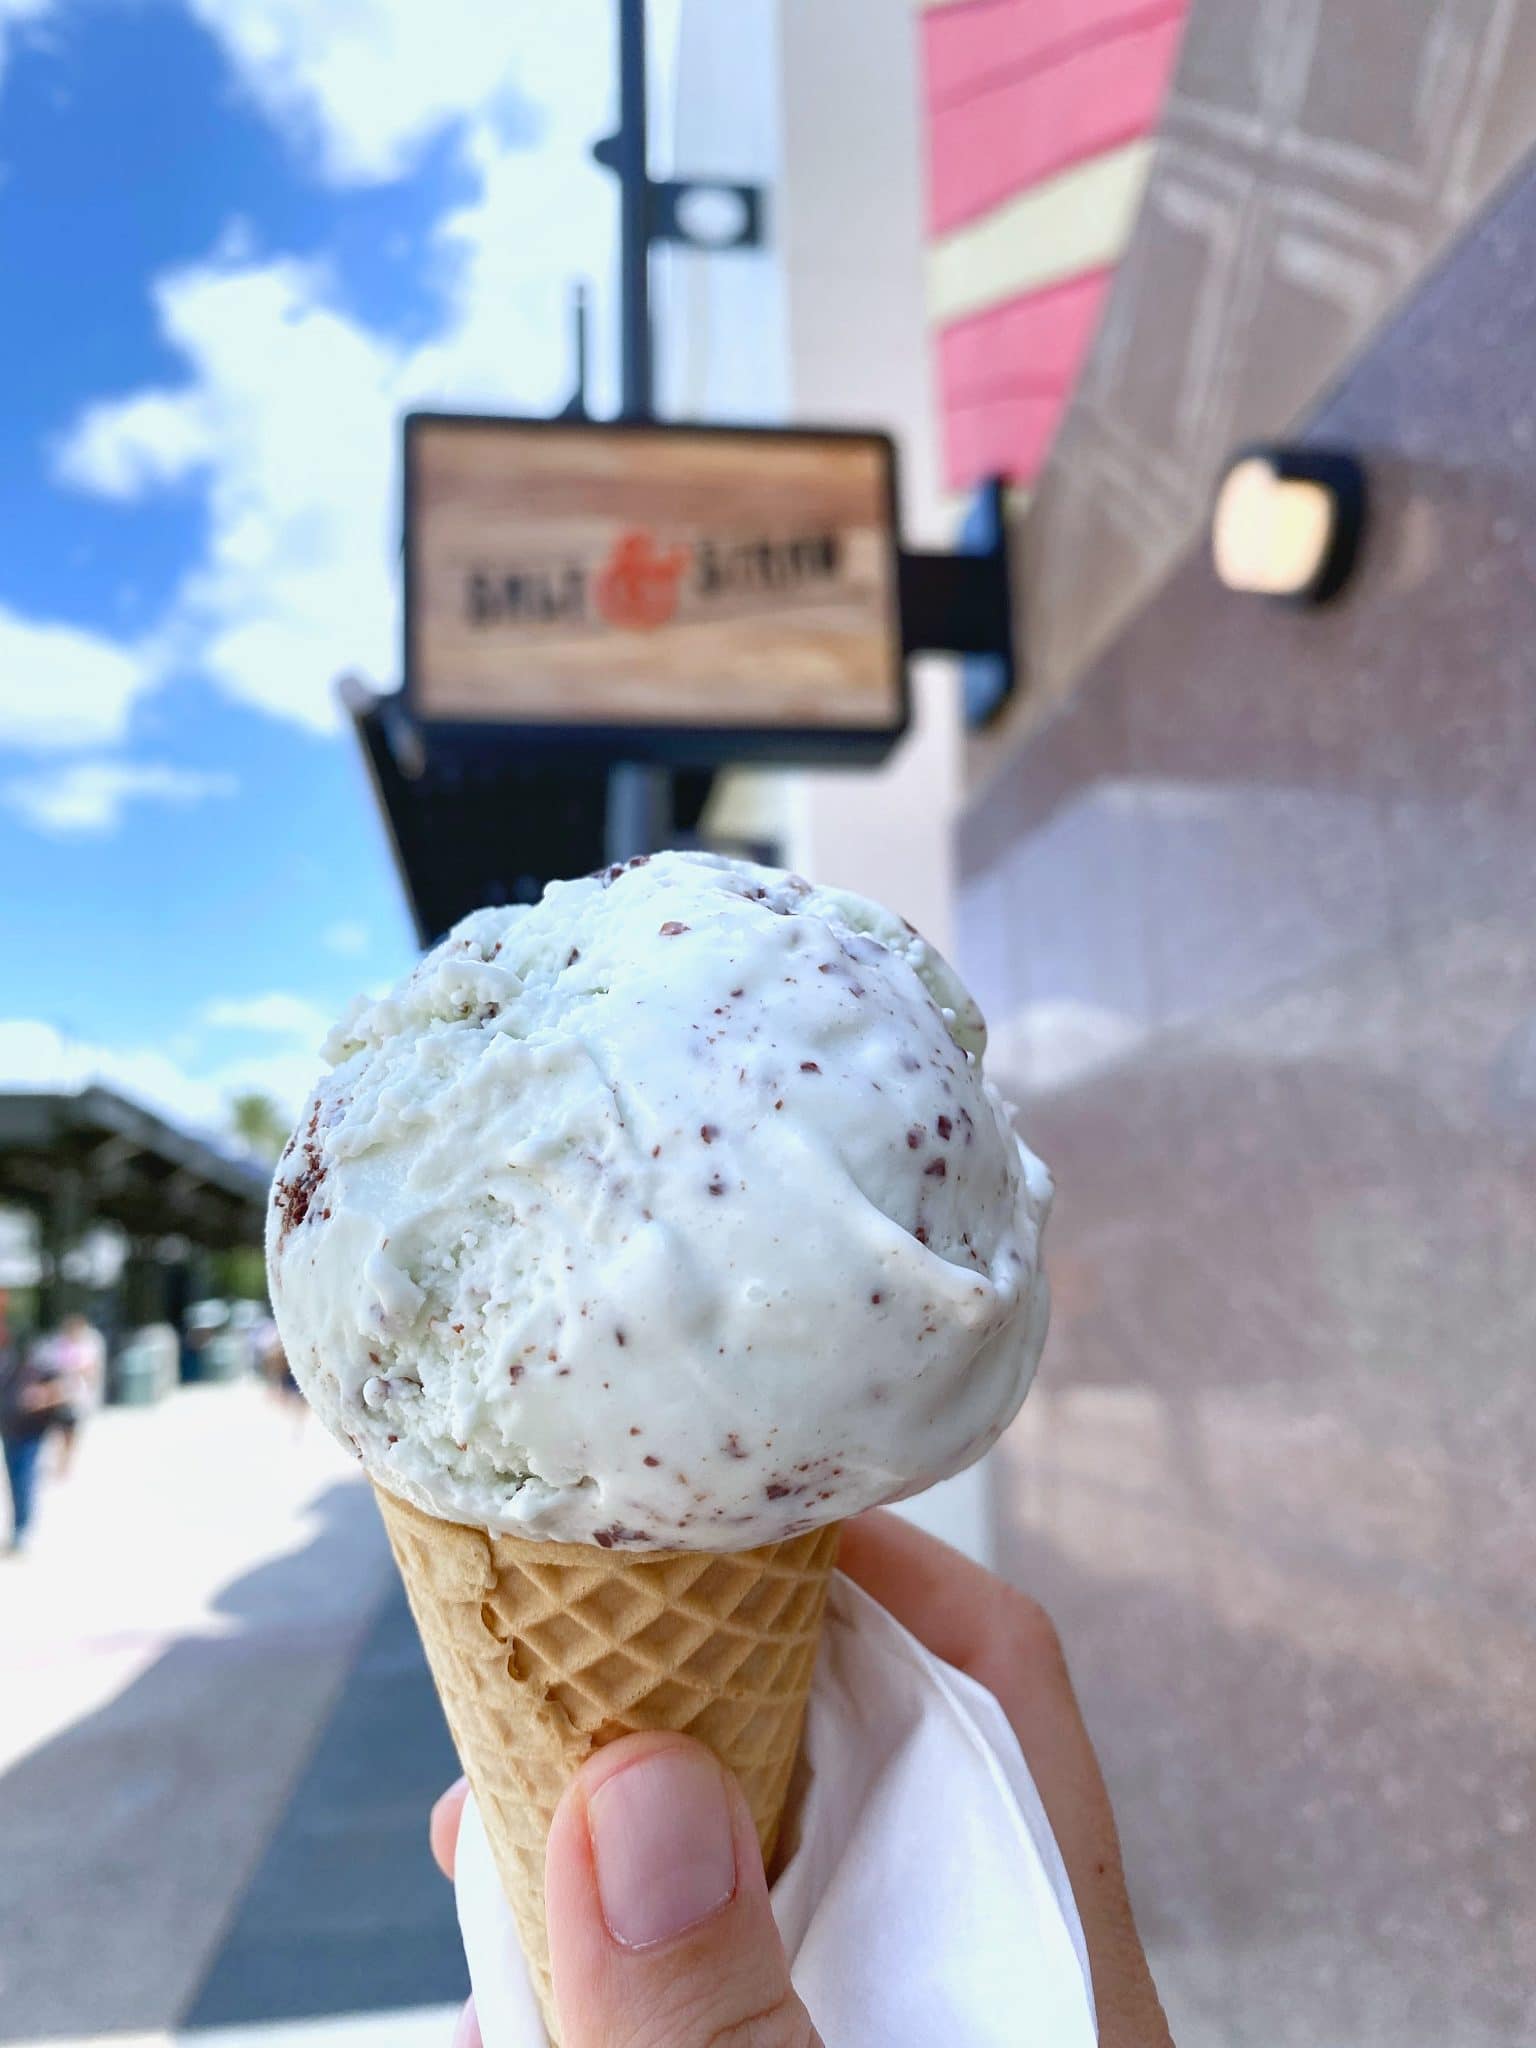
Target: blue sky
x,y
237,239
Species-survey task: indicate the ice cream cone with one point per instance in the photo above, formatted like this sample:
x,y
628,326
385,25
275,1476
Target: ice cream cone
x,y
542,1652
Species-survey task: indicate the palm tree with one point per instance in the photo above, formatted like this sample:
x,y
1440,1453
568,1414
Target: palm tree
x,y
259,1124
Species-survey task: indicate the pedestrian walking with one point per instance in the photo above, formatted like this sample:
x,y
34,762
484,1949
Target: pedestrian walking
x,y
78,1358
33,1396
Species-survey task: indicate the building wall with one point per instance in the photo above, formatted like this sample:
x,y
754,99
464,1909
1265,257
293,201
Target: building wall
x,y
826,327
1255,919
1314,157
851,228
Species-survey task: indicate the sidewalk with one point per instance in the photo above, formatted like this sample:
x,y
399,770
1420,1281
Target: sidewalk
x,y
432,2027
178,1644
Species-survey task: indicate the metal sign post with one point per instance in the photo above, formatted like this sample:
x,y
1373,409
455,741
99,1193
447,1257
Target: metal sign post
x,y
599,615
640,799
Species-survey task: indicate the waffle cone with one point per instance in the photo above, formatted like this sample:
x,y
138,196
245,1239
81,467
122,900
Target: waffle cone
x,y
542,1652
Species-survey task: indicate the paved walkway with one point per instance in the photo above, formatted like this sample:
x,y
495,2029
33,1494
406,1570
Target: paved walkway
x,y
217,1744
431,2027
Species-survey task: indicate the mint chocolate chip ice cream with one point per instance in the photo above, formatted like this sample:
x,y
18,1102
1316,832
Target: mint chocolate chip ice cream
x,y
674,1210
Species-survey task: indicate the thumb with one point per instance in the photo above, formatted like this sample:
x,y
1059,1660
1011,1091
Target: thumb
x,y
660,1931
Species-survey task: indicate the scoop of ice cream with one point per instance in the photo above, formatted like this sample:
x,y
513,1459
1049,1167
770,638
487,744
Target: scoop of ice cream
x,y
673,1210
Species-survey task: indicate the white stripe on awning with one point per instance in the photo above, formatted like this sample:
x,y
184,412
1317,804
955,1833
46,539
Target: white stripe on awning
x,y
1079,220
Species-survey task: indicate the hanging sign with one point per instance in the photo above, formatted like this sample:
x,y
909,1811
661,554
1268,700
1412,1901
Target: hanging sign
x,y
666,592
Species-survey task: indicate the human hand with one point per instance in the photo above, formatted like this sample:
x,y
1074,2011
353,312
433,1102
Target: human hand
x,y
970,1618
661,1934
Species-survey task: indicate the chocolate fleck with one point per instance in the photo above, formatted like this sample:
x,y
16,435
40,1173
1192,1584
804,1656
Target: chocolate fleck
x,y
709,1133
876,1299
915,1137
809,1067
944,1127
671,929
650,1460
293,1196
619,1337
936,1169
717,1186
573,956
732,1446
777,1492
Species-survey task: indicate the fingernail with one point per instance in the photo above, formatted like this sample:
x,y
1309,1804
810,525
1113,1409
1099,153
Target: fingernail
x,y
467,2033
661,1840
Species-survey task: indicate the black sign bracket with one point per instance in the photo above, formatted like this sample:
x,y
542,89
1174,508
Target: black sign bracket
x,y
962,603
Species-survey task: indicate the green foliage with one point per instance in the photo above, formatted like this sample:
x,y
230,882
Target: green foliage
x,y
240,1274
259,1124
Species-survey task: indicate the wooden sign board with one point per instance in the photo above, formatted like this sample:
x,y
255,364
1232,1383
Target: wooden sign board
x,y
665,591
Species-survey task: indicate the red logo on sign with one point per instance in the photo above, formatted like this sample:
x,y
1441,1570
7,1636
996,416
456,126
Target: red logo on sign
x,y
637,587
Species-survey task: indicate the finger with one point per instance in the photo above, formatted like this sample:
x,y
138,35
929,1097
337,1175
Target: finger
x,y
964,1614
933,1590
968,1617
443,1827
1007,1642
466,2033
660,1930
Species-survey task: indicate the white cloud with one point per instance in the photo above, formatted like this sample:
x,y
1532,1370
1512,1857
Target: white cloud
x,y
36,1054
289,1016
287,1076
90,796
291,407
121,450
62,687
347,937
365,84
13,14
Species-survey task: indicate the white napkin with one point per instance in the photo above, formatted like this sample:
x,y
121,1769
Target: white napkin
x,y
925,1900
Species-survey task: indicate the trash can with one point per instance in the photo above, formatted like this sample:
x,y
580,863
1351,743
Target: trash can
x,y
144,1370
226,1356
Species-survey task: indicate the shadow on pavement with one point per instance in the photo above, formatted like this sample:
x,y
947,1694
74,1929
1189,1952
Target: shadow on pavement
x,y
346,1911
124,1838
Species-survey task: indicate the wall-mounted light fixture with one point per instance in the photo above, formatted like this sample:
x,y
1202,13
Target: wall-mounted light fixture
x,y
1287,522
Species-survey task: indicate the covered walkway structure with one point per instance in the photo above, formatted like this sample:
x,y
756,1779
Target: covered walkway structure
x,y
81,1159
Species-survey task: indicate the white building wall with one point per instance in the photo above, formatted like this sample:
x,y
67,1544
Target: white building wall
x,y
851,236
827,327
